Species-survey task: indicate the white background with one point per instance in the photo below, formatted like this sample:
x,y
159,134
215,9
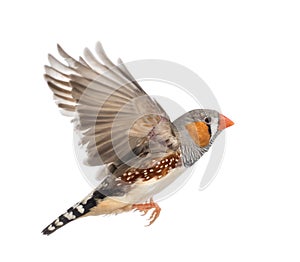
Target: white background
x,y
246,51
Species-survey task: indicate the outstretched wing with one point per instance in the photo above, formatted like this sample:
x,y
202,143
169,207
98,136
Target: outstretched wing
x,y
116,119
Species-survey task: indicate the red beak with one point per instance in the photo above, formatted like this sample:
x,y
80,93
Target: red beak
x,y
224,122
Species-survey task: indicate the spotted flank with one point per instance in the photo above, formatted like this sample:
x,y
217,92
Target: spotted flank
x,y
157,170
75,212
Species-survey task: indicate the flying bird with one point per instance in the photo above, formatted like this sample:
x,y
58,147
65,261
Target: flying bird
x,y
127,132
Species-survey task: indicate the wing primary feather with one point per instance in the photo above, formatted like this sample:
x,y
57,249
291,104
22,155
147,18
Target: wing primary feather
x,y
125,71
55,73
67,107
56,89
82,61
109,72
58,82
76,65
91,59
59,66
65,97
104,58
102,55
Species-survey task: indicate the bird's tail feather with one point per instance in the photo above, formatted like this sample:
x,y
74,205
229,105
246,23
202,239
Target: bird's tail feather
x,y
78,210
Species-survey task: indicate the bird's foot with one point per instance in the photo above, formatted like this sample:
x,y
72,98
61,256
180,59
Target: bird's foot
x,y
146,207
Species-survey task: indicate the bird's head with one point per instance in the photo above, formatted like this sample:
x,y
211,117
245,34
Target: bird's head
x,y
197,130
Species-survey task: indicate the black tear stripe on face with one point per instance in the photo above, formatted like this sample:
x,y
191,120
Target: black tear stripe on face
x,y
209,129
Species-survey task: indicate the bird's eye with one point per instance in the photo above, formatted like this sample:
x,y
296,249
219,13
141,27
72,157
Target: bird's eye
x,y
207,120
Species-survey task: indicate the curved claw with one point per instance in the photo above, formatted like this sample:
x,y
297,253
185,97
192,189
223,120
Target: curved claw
x,y
146,207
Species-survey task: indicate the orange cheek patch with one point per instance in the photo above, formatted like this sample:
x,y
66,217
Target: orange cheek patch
x,y
199,133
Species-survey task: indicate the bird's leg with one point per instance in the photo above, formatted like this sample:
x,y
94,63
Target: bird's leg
x,y
146,207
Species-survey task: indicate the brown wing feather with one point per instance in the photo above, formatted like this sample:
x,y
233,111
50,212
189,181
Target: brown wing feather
x,y
117,120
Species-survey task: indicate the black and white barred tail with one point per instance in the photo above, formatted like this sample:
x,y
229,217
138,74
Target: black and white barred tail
x,y
78,210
